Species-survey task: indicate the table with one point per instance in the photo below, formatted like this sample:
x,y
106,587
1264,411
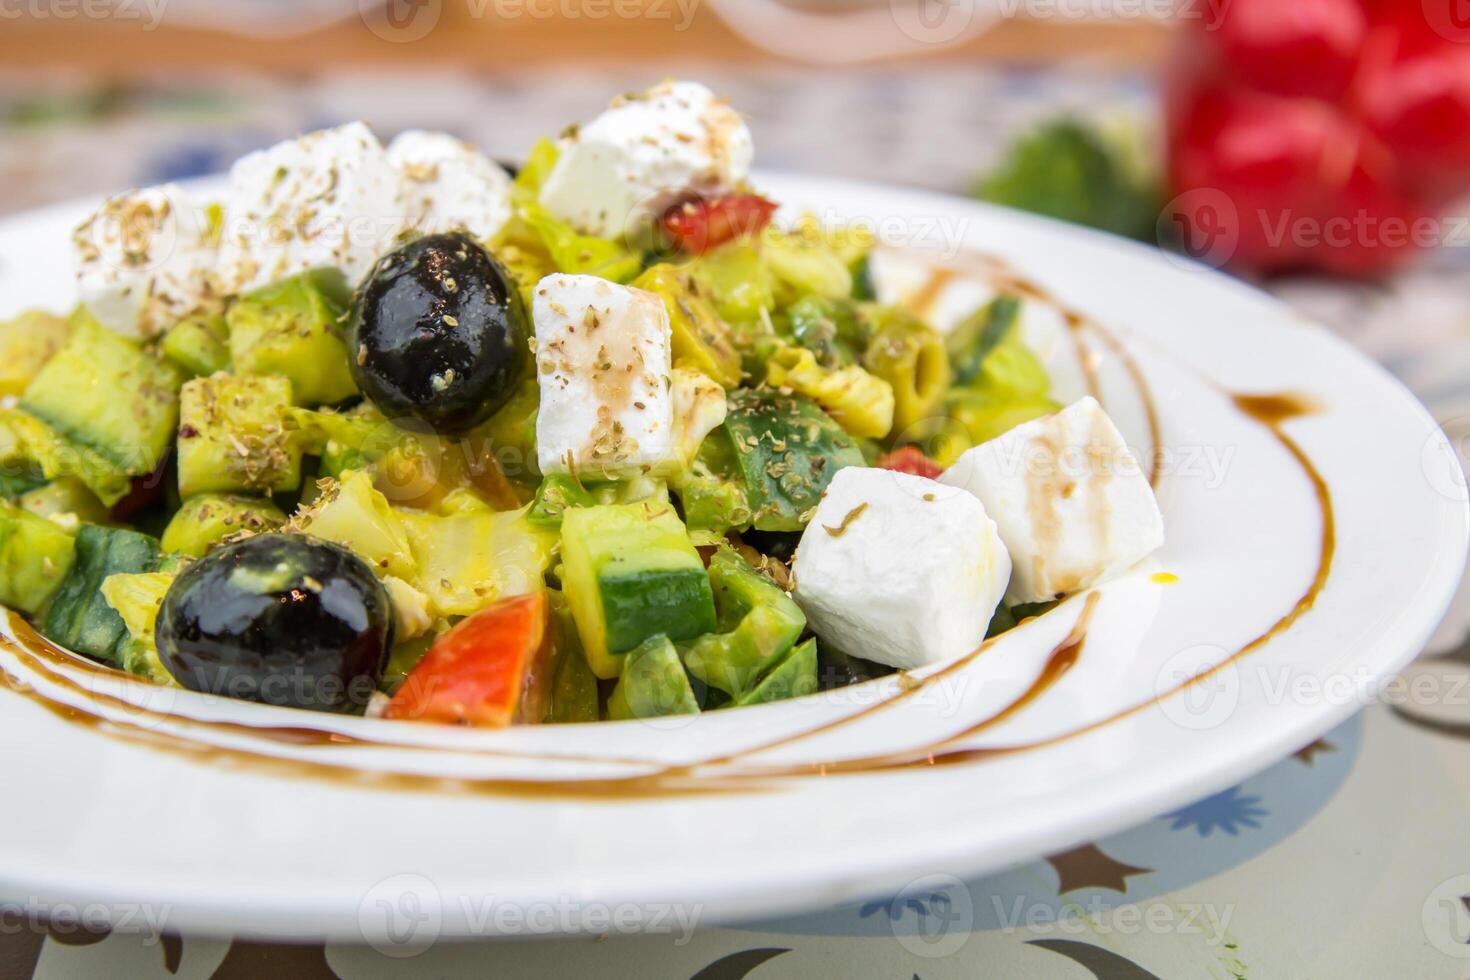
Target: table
x,y
1349,858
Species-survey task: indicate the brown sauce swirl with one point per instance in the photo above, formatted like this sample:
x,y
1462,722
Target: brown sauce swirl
x,y
42,659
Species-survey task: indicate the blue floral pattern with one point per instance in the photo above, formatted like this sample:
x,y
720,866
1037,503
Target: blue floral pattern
x,y
1227,811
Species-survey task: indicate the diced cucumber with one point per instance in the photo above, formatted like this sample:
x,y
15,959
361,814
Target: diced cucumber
x,y
106,393
652,683
295,328
79,617
199,344
35,556
794,677
137,598
631,572
22,481
233,436
26,344
787,450
64,495
209,518
29,447
758,625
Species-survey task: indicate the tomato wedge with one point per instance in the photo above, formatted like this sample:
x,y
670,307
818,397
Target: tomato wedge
x,y
697,226
911,460
475,673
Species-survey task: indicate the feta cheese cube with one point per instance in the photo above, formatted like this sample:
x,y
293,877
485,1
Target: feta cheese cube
x,y
449,184
603,356
898,569
1072,503
645,152
146,260
329,198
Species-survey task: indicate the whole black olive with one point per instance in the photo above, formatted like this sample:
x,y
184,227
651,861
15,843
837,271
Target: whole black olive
x,y
439,332
278,618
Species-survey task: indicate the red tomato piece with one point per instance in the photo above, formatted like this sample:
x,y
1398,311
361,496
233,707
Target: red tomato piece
x,y
475,673
911,460
697,226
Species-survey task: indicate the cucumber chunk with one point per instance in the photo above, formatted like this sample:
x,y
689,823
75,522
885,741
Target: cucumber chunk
x,y
233,436
35,556
652,684
30,448
198,345
295,328
80,618
137,598
109,395
205,520
630,572
26,344
65,495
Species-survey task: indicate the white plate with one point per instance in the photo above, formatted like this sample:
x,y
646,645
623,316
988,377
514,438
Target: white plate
x,y
173,806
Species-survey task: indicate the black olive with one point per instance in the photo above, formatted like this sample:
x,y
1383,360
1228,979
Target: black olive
x,y
439,332
278,618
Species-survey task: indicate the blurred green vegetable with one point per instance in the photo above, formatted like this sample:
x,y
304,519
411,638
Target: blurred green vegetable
x,y
1066,170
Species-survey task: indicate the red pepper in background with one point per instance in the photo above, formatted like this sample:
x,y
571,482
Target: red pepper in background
x,y
476,673
697,226
1317,134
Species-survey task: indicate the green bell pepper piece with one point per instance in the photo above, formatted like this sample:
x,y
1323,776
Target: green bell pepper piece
x,y
795,676
758,624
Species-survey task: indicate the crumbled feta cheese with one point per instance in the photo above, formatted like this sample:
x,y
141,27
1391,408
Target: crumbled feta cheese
x,y
1072,503
329,198
146,260
699,407
644,153
449,184
410,609
603,357
899,569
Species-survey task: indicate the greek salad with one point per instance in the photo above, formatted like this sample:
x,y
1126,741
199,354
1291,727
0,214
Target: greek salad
x,y
406,432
